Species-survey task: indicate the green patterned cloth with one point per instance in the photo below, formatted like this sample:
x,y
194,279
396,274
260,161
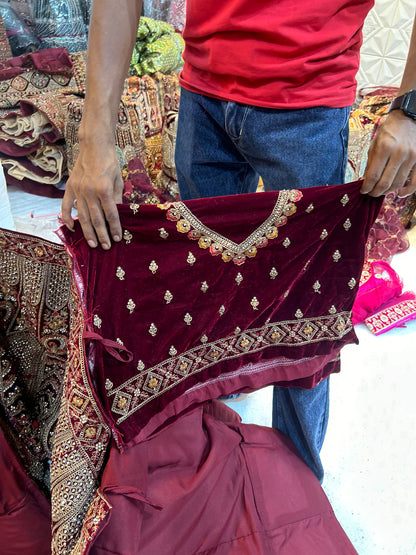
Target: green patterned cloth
x,y
158,48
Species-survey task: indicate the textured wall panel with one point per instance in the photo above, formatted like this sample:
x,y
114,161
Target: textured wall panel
x,y
387,33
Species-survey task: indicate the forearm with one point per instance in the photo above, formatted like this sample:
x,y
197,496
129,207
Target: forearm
x,y
409,76
113,29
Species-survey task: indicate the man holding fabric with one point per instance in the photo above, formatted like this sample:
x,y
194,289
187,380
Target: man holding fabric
x,y
266,91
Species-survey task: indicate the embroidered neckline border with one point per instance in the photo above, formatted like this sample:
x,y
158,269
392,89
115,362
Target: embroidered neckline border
x,y
188,223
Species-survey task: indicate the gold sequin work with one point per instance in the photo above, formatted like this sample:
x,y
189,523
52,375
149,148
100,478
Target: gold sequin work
x,y
218,245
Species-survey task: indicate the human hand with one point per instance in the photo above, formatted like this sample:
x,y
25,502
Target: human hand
x,y
392,158
96,186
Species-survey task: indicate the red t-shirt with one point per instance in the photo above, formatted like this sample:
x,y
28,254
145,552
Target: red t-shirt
x,y
277,54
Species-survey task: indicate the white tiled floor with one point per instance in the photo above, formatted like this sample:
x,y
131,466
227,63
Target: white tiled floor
x,y
369,451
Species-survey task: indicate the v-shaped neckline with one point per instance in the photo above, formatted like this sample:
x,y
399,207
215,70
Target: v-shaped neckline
x,y
187,222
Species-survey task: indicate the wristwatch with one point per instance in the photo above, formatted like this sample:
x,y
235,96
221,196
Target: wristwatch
x,y
405,102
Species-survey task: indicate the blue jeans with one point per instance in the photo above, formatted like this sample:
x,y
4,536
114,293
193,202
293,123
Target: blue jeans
x,y
221,149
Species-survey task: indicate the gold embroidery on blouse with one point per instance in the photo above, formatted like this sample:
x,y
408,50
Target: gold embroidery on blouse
x,y
352,283
127,236
204,286
317,287
168,297
131,305
163,233
187,319
191,259
347,224
134,393
217,244
153,267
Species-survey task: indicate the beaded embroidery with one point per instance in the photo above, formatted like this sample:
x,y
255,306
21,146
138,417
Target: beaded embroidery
x,y
217,244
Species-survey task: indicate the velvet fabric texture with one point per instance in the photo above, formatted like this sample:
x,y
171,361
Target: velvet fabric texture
x,y
215,296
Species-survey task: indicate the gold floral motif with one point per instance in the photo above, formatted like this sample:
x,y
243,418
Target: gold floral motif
x,y
127,236
347,224
273,273
245,342
204,286
352,283
324,234
131,305
97,321
163,233
286,242
134,207
345,200
168,297
140,366
152,330
187,319
307,330
336,256
183,226
316,287
122,403
153,383
153,267
120,273
191,259
39,251
254,303
275,335
90,432
77,401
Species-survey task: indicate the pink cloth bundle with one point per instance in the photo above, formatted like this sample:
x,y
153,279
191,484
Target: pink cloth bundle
x,y
381,302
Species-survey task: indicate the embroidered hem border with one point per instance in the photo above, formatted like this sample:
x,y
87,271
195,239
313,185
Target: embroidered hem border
x,y
151,383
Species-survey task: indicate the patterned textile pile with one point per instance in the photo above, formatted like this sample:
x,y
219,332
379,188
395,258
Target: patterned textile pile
x,y
145,134
172,11
364,122
41,102
157,48
35,90
381,302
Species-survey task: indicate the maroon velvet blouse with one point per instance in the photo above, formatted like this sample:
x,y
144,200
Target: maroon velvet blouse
x,y
212,296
